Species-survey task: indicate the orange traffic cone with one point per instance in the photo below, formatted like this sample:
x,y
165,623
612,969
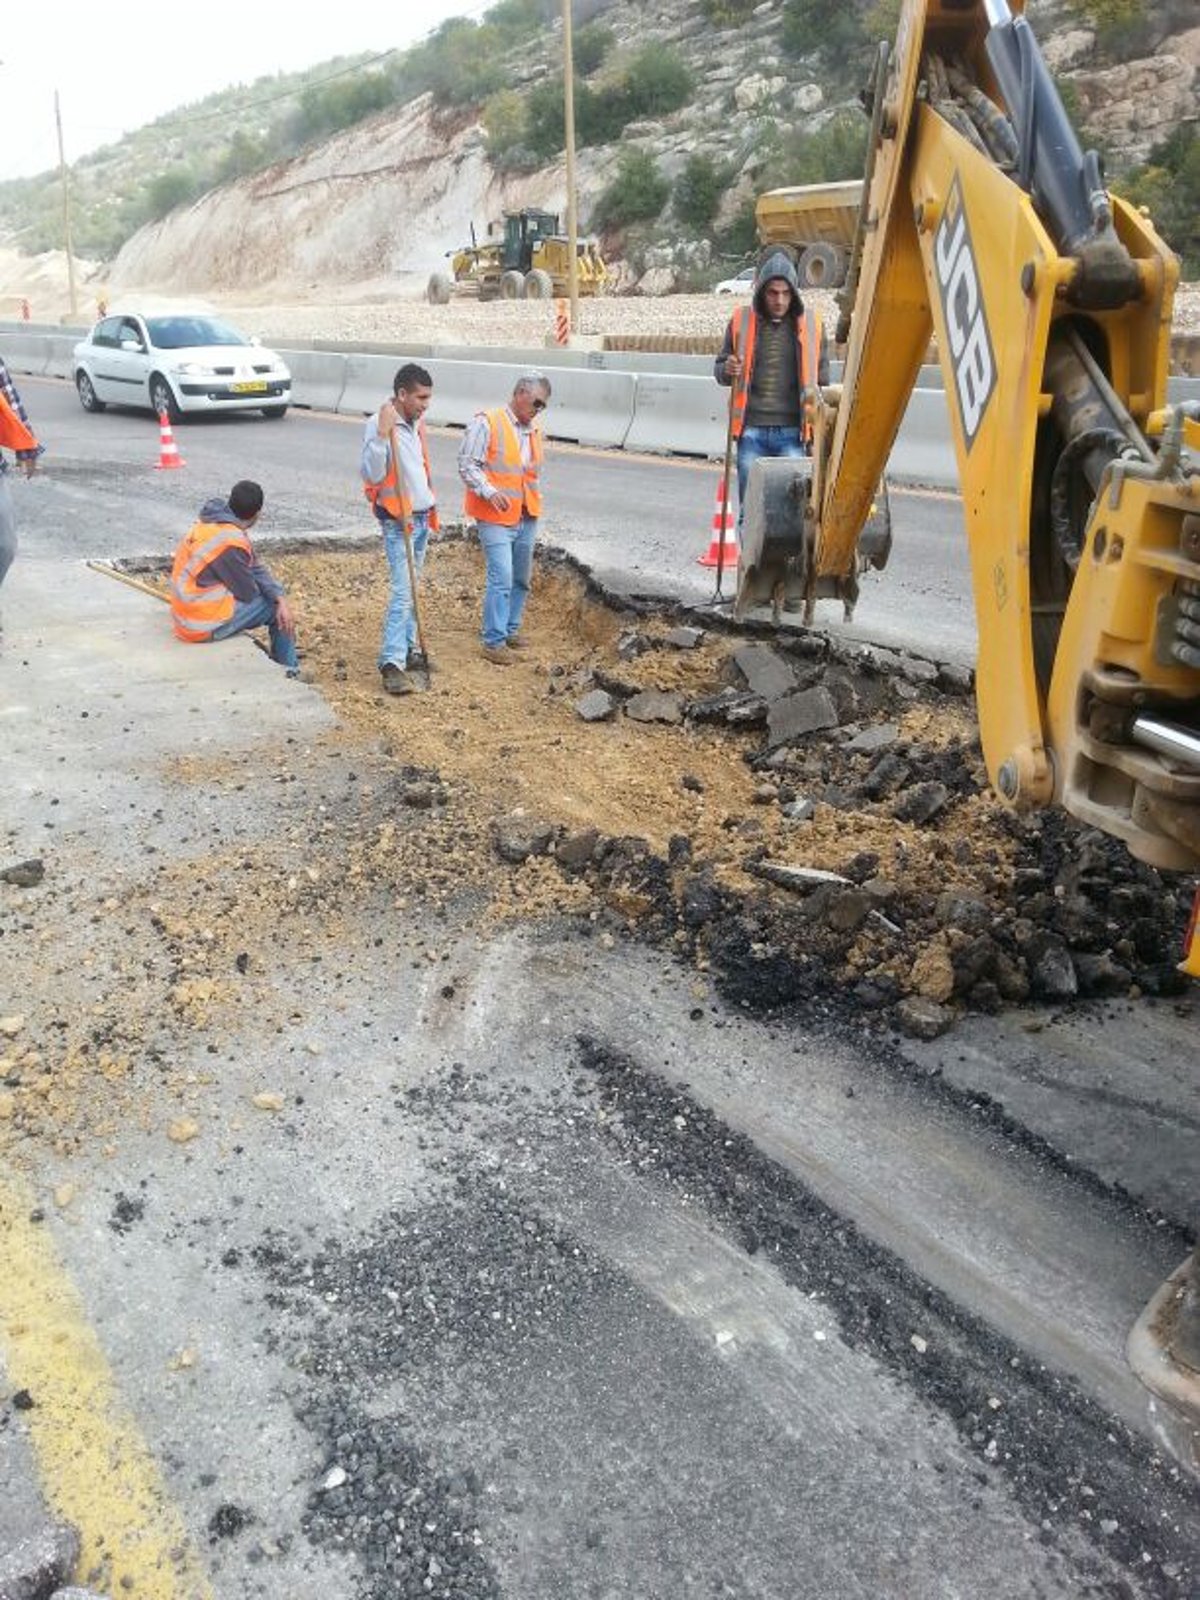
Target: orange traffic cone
x,y
724,531
168,450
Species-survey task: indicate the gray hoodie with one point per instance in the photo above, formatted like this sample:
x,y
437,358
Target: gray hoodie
x,y
245,576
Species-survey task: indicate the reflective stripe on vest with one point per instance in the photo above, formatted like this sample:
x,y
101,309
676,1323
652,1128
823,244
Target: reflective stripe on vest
x,y
507,474
808,352
196,609
390,495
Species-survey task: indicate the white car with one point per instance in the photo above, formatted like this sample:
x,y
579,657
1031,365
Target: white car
x,y
742,284
178,362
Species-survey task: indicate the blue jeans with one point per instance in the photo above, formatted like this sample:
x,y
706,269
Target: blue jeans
x,y
509,556
256,614
754,444
400,621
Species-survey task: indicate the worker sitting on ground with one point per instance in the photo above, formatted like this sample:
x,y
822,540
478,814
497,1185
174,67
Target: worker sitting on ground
x,y
219,586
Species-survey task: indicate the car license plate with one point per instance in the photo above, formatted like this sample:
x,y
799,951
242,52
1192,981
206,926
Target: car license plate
x,y
248,388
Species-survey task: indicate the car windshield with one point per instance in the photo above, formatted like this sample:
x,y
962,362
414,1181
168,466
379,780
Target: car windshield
x,y
181,333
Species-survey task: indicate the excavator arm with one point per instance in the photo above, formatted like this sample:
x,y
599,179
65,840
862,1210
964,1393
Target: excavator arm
x,y
984,224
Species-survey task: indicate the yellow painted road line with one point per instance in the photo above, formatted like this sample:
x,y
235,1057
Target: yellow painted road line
x,y
96,1470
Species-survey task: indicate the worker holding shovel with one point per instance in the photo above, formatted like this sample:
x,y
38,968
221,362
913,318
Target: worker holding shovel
x,y
397,482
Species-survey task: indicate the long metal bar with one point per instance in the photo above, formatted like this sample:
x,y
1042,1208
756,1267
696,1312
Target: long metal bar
x,y
1166,739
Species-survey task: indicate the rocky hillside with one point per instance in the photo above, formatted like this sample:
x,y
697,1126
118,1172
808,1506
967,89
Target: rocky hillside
x,y
389,197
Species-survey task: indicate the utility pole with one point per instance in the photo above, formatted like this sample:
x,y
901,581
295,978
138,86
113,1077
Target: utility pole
x,y
569,115
66,197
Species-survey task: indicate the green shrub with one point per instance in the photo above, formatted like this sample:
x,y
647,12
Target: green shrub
x,y
882,20
591,47
698,191
728,13
174,187
506,123
1123,27
830,153
740,238
546,118
637,193
1168,185
656,82
809,26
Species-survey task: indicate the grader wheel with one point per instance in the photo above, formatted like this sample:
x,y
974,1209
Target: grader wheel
x,y
439,289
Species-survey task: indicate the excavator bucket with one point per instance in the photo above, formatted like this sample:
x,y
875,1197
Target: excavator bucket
x,y
773,565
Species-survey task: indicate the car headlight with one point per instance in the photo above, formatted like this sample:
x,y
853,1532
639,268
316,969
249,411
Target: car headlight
x,y
193,369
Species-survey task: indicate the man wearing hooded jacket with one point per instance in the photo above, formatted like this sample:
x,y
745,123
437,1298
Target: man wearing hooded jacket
x,y
774,349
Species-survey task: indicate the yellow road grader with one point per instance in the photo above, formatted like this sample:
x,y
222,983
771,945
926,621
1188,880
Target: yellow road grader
x,y
529,260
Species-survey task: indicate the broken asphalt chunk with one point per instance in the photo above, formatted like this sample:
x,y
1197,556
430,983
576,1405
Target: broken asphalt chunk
x,y
655,705
807,711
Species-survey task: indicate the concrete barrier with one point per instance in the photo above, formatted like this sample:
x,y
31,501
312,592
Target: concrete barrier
x,y
60,356
318,378
26,352
368,382
592,408
685,415
923,451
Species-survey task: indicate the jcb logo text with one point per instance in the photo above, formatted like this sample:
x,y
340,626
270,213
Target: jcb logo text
x,y
963,313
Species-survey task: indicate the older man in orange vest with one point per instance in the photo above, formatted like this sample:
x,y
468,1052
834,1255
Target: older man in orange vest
x,y
773,351
219,587
501,464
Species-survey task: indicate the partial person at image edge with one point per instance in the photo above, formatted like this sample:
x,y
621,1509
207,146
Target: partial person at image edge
x,y
220,588
15,435
397,482
500,462
774,349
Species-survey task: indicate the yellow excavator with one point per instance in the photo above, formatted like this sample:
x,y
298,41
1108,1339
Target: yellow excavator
x,y
983,222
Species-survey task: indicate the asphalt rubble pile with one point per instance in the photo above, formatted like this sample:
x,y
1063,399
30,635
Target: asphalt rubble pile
x,y
1051,912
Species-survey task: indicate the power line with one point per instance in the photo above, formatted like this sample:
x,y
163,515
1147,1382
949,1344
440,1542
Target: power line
x,y
284,94
468,12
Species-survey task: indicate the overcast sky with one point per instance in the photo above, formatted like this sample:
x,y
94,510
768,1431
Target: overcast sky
x,y
118,64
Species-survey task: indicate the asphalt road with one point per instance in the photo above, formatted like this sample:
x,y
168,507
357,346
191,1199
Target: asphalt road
x,y
552,1276
640,522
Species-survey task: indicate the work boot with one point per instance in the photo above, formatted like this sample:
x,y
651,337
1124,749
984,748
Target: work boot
x,y
418,661
515,642
496,654
395,679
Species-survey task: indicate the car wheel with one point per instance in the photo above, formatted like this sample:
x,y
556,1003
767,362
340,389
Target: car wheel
x,y
162,398
274,413
87,394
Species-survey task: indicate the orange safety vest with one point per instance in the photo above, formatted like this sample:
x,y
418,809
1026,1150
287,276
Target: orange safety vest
x,y
13,432
744,323
391,495
196,609
506,472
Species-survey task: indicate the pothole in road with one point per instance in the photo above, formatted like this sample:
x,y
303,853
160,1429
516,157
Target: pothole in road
x,y
812,823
